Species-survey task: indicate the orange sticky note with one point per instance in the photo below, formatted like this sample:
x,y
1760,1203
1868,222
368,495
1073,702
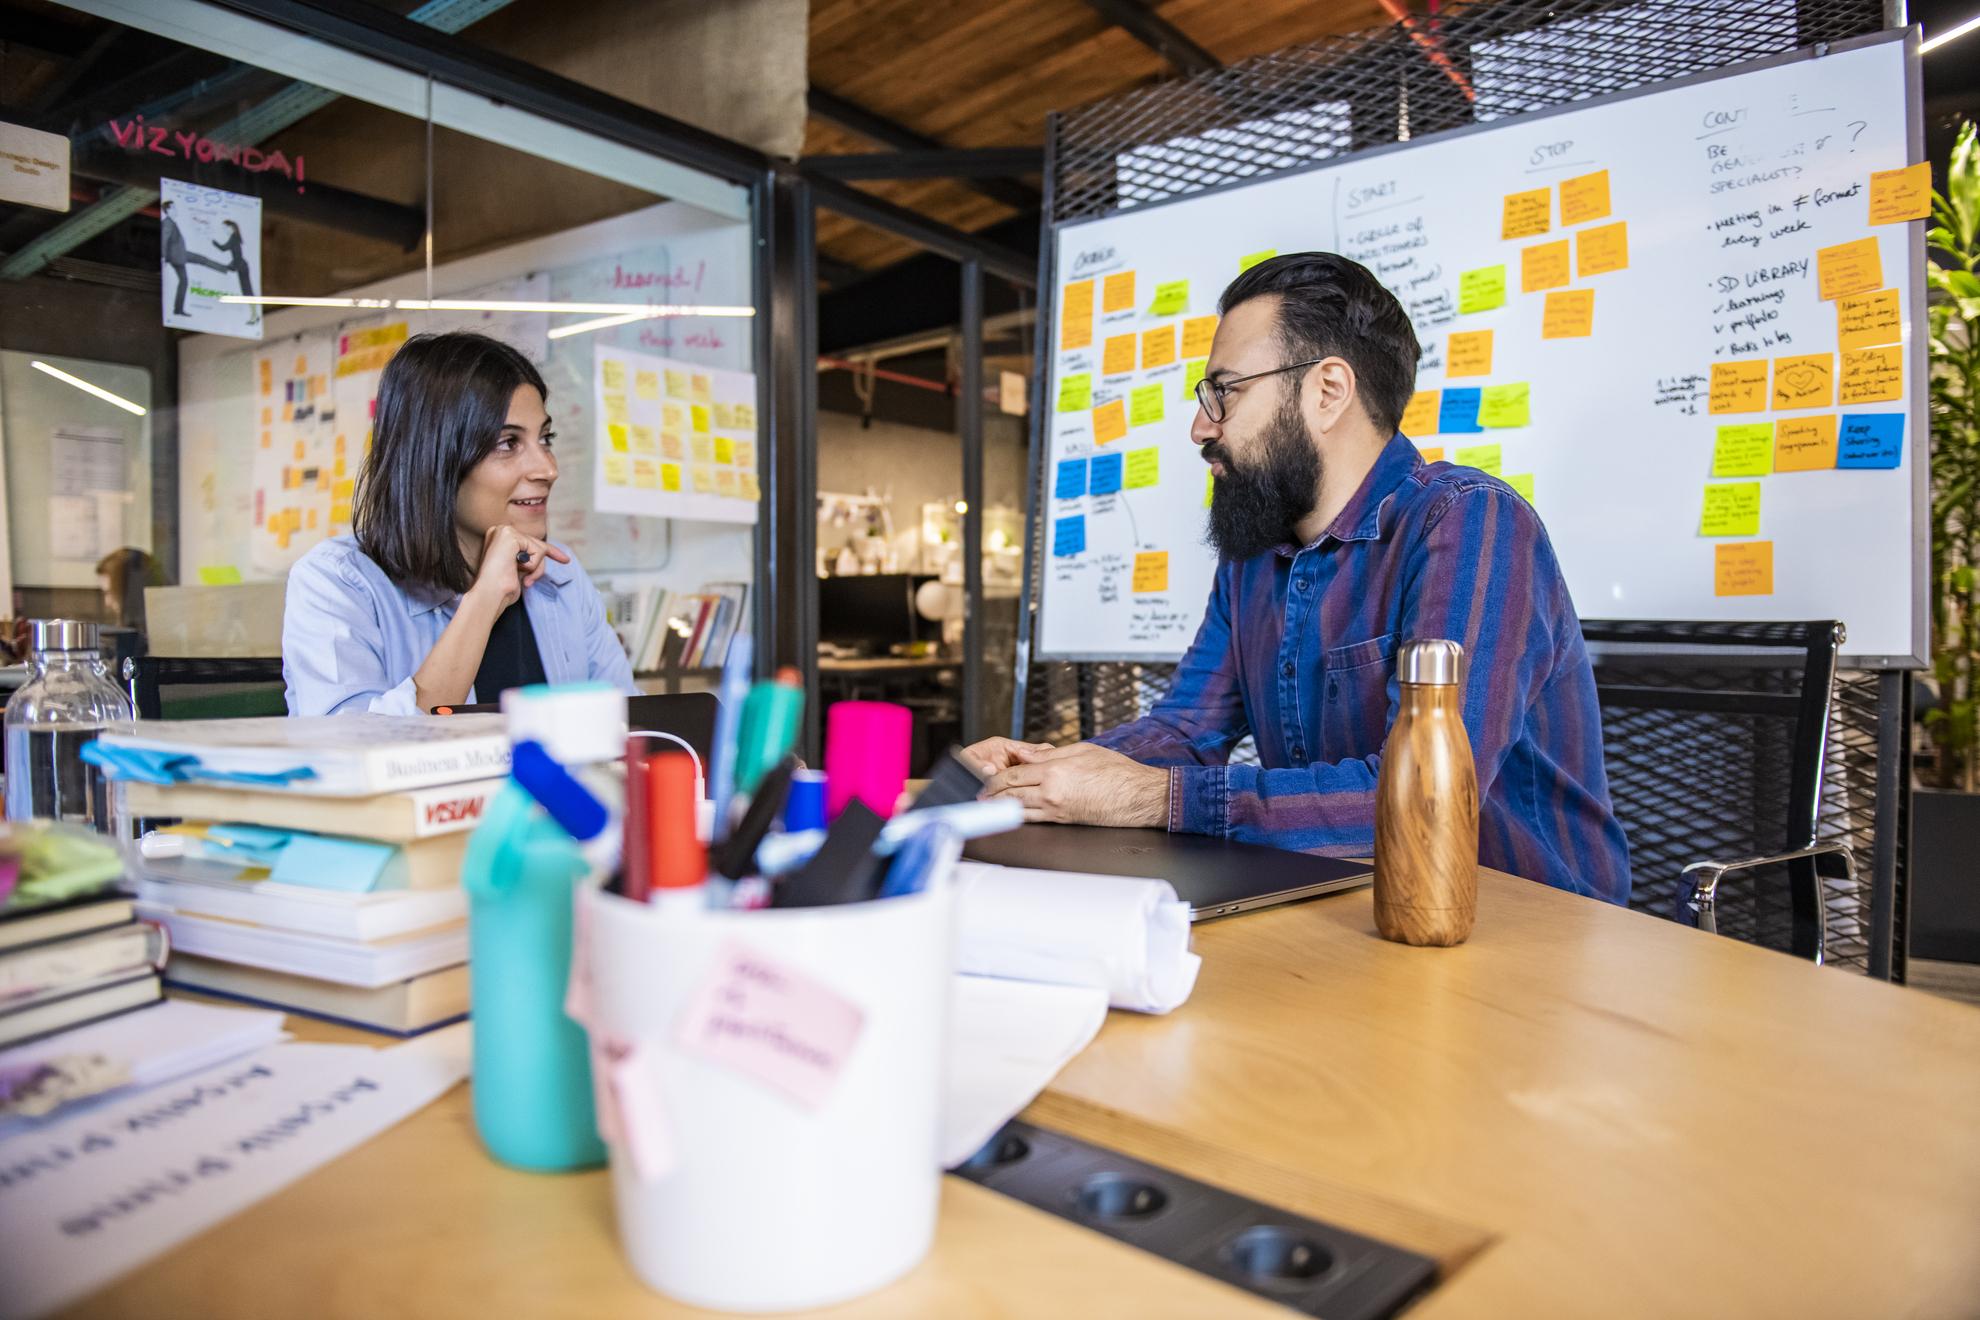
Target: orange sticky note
x,y
1569,314
1602,249
1584,197
1543,266
1872,375
1109,421
1739,386
1117,358
1807,381
1470,354
1118,295
1433,455
312,520
1864,320
1897,195
1076,316
267,439
1849,268
1198,331
1151,570
267,416
299,451
1745,568
1420,417
1527,213
1805,444
1158,346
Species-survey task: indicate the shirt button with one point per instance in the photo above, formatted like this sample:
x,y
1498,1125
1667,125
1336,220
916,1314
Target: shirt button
x,y
1287,669
1299,753
1301,583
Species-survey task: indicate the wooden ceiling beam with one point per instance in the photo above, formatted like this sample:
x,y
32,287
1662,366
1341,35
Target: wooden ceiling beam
x,y
945,163
877,128
1157,33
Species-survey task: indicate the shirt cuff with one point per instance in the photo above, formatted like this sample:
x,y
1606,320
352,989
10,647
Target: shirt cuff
x,y
1199,799
401,700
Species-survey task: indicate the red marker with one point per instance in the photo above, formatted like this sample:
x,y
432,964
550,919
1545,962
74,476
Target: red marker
x,y
636,870
679,860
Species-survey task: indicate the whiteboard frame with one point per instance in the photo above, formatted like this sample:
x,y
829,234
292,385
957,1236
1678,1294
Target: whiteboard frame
x,y
1919,437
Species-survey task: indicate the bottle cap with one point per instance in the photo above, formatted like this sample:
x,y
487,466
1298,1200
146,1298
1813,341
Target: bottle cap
x,y
577,723
804,808
568,802
677,856
63,635
1432,662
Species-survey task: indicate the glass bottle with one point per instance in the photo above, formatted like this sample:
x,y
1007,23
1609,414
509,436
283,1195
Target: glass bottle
x,y
67,701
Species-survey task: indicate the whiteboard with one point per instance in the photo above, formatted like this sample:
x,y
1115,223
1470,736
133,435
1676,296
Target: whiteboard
x,y
1695,229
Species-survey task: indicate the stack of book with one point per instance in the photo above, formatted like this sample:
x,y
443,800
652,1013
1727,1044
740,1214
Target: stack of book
x,y
664,629
69,963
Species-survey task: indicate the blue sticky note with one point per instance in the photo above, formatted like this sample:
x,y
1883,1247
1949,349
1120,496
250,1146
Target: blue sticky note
x,y
1869,440
1106,475
1069,535
323,862
1458,411
1072,479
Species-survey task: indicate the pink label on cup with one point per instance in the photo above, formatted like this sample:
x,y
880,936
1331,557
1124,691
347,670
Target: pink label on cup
x,y
642,1112
769,1022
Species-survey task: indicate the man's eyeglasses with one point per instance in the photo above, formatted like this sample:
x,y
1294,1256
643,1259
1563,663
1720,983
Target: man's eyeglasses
x,y
1210,394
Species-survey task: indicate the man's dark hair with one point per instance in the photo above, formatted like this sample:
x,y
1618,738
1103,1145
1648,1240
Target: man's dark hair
x,y
1332,307
442,403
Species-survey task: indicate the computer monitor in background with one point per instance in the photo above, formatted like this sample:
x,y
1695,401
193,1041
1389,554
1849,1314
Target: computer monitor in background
x,y
868,615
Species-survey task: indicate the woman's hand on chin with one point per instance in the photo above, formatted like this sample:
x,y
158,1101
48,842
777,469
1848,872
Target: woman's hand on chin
x,y
503,575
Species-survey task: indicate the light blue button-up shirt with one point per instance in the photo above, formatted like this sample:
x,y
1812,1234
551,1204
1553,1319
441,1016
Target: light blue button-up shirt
x,y
352,638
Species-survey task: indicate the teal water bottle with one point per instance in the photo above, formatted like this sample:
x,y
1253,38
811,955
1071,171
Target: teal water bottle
x,y
532,1066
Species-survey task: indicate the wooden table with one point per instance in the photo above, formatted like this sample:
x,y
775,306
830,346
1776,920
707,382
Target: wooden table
x,y
1582,1112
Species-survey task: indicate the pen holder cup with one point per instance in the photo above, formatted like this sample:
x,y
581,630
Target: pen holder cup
x,y
770,1084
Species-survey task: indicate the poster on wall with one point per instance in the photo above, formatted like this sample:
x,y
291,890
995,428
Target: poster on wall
x,y
209,247
87,492
297,451
673,439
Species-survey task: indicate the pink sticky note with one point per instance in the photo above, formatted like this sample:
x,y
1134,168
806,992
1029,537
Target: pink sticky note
x,y
771,1023
642,1116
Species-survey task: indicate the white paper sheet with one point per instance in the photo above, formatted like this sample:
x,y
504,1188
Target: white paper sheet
x,y
1007,1041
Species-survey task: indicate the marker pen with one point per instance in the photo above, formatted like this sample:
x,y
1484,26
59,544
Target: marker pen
x,y
679,861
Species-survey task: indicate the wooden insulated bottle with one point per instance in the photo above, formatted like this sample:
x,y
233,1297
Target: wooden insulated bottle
x,y
1426,805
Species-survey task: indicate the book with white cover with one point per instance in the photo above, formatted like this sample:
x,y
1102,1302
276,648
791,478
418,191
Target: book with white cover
x,y
346,755
350,962
332,913
388,817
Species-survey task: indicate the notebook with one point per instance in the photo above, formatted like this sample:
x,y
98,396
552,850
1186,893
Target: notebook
x,y
331,755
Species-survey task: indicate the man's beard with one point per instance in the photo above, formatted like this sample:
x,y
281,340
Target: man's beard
x,y
1257,506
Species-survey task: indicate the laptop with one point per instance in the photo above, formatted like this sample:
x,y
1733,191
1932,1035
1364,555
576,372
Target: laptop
x,y
1216,877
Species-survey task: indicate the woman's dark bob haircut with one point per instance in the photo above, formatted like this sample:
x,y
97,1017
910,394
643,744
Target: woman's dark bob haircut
x,y
442,404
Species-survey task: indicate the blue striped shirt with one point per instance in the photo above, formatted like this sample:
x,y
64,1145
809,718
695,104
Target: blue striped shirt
x,y
1297,649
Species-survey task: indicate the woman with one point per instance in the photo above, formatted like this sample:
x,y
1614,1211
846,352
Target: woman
x,y
238,264
448,590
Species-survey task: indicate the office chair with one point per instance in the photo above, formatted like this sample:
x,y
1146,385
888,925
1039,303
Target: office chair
x,y
237,686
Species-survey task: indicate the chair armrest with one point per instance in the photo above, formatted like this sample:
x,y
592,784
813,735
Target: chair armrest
x,y
1704,879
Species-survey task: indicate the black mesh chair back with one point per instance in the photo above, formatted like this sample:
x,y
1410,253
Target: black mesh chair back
x,y
173,688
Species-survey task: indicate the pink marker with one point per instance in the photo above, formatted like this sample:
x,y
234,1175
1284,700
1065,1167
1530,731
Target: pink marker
x,y
866,755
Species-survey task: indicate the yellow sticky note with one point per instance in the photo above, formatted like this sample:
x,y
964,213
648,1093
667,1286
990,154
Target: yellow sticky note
x,y
615,408
1569,314
1420,416
1250,259
725,449
219,575
1198,332
1584,197
343,490
1805,444
1151,570
1470,354
267,439
338,467
724,416
1145,405
1171,296
1849,268
646,384
1117,293
1076,392
1486,458
1505,405
1117,357
1143,467
643,440
746,487
673,417
617,434
1192,372
1158,346
1543,266
703,479
1746,569
670,476
677,384
1527,213
701,389
1521,482
671,444
618,470
698,415
1435,454
1743,449
1897,195
1731,509
725,481
282,539
1076,316
646,474
702,447
746,416
746,453
1864,320
1738,386
1804,381
1872,375
1602,249
1209,487
614,374
340,512
1109,421
267,416
1482,289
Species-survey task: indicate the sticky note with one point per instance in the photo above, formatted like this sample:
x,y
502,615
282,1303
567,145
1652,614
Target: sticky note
x,y
646,474
1434,455
703,448
1738,386
746,416
646,384
725,449
1506,405
1732,509
644,441
1151,570
1805,444
1250,259
1543,266
1109,422
1158,346
701,389
1145,405
747,487
1527,213
671,444
1420,415
1143,467
1569,314
614,375
1521,482
677,384
1117,357
725,481
1076,316
670,476
1849,268
1872,375
1865,320
702,479
1117,294
219,575
1870,440
1069,535
1193,372
1075,392
1070,483
1897,195
618,470
1482,289
1584,197
1198,332
1746,569
698,416
1105,474
1602,249
1806,381
725,416
746,453
772,1023
1171,297
1470,354
617,435
616,409
1486,458
672,417
1457,411
1743,449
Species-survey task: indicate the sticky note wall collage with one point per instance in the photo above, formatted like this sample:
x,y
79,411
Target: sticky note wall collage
x,y
674,439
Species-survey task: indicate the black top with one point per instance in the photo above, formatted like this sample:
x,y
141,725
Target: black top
x,y
511,660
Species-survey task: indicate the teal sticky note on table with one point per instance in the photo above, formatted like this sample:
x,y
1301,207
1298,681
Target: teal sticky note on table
x,y
323,862
1076,392
1481,290
1505,405
1170,297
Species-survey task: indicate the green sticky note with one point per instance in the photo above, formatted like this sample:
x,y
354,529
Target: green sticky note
x,y
1523,483
1145,405
1505,405
1732,509
1483,289
1076,393
1193,372
219,575
1483,457
1170,298
1209,487
1745,449
1250,259
1143,466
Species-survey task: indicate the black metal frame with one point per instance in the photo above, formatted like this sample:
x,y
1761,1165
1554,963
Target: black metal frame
x,y
144,675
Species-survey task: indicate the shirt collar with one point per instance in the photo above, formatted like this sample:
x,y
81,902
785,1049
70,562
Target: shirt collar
x,y
1367,513
424,599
